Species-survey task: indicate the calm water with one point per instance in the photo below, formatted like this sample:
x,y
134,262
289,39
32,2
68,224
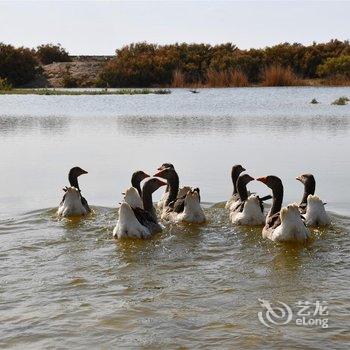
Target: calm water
x,y
69,284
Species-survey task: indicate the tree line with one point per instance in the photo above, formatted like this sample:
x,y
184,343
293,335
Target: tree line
x,y
146,65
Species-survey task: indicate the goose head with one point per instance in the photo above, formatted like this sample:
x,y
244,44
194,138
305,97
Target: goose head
x,y
73,175
271,181
152,185
77,171
275,183
309,183
167,174
245,179
306,178
138,176
136,179
165,166
236,171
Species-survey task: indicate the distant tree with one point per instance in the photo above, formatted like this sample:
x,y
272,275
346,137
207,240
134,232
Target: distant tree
x,y
17,65
50,53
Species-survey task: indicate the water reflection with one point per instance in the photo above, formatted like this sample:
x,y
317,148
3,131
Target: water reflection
x,y
24,125
228,125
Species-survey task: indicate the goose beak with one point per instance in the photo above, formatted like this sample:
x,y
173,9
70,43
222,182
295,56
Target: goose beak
x,y
162,183
262,179
123,193
84,172
298,178
159,174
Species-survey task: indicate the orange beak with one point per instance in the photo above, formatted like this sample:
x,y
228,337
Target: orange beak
x,y
162,183
262,179
159,174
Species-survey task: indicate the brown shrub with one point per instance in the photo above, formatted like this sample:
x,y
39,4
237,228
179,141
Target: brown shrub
x,y
217,78
276,75
50,53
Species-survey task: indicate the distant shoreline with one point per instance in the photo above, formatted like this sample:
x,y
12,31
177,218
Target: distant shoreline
x,y
82,91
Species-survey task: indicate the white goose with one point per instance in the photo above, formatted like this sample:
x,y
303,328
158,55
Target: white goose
x,y
311,206
286,224
186,208
137,222
247,210
73,203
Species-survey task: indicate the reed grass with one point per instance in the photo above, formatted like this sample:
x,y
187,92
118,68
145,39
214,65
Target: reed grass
x,y
238,79
178,79
226,78
276,75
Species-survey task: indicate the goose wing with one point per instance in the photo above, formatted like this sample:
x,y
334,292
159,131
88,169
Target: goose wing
x,y
273,221
85,203
178,205
143,216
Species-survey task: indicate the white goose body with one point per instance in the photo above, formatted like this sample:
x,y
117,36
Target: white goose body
x,y
251,215
132,197
291,229
136,222
232,202
316,214
193,212
71,204
128,225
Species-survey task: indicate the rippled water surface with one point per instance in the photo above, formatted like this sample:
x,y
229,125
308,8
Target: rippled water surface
x,y
68,284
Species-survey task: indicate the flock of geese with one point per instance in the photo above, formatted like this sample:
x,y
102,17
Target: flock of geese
x,y
138,217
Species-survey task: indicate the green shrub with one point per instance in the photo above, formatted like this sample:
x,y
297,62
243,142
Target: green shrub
x,y
4,85
17,65
337,66
144,65
50,53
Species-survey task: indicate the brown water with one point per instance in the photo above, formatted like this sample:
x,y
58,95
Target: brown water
x,y
69,284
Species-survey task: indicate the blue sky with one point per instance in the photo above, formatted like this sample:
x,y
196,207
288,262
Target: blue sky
x,y
99,27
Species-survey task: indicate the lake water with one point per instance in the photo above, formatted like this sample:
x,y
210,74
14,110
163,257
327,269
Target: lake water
x,y
69,284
